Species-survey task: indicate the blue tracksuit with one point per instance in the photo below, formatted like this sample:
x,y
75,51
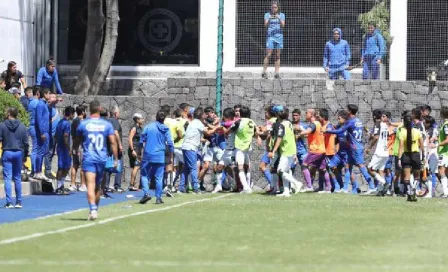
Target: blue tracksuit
x,y
54,120
337,57
14,138
42,127
373,49
46,79
32,106
156,137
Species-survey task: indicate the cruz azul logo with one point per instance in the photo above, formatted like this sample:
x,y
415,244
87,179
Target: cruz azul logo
x,y
160,30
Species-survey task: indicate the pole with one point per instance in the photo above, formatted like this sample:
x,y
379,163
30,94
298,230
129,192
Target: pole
x,y
219,61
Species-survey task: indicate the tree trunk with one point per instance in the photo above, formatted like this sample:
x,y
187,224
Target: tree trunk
x,y
92,47
109,46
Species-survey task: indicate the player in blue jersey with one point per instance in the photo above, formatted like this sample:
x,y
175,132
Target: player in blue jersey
x,y
94,133
32,106
43,133
354,129
274,21
63,148
302,149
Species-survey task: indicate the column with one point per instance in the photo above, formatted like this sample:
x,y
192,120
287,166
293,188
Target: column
x,y
398,49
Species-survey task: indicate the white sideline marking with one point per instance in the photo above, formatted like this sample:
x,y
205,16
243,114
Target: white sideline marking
x,y
57,214
21,262
100,222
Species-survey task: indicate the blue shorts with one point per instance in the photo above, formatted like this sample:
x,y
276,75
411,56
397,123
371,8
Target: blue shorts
x,y
94,167
390,162
274,42
338,160
356,156
301,157
265,159
64,159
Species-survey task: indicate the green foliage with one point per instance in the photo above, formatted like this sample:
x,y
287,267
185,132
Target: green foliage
x,y
380,15
8,100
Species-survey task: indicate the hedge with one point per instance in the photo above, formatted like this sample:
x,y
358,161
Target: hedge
x,y
8,100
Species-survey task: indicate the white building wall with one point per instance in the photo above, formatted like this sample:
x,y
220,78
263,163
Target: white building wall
x,y
17,36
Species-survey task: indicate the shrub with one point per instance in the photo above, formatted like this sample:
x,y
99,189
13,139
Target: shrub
x,y
8,100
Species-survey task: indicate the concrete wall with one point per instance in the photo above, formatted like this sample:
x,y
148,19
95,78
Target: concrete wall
x,y
302,94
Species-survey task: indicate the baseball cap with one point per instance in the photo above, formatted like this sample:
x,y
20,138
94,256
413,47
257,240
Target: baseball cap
x,y
14,90
137,116
191,112
278,108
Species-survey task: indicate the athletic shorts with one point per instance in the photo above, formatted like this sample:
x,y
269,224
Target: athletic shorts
x,y
64,159
356,156
397,166
178,156
133,161
301,157
242,157
443,160
213,154
77,160
378,163
274,42
411,160
94,167
433,162
265,159
338,160
228,157
390,162
284,164
315,160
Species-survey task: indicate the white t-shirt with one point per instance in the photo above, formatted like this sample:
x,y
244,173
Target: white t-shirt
x,y
381,146
193,135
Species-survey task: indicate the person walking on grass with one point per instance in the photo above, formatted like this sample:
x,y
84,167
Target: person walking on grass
x,y
14,139
274,21
63,146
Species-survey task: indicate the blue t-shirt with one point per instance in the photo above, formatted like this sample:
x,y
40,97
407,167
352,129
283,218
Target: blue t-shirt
x,y
55,118
62,128
274,26
32,106
95,133
300,143
344,146
354,130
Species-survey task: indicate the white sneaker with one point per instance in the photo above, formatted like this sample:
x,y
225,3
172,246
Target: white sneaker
x,y
72,188
246,191
41,176
307,190
284,194
428,195
370,192
82,188
67,178
324,192
298,186
93,215
218,188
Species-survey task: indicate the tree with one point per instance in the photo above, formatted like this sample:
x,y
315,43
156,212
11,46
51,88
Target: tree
x,y
99,49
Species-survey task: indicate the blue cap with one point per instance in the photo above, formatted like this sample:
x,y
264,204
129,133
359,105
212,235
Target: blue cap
x,y
191,111
278,108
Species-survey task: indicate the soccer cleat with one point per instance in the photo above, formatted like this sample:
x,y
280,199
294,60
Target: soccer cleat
x,y
246,191
168,193
72,189
9,206
145,199
18,205
324,192
93,215
284,194
370,192
298,186
180,192
444,196
50,176
119,190
197,192
83,188
218,188
264,76
132,189
61,191
307,190
105,195
41,176
159,201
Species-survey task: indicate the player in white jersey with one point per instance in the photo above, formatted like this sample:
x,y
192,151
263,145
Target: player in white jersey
x,y
381,154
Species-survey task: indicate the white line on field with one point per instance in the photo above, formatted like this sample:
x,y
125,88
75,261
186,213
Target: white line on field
x,y
57,214
21,262
105,221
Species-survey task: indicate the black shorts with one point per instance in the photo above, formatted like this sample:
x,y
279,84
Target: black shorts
x,y
77,160
397,167
133,162
411,160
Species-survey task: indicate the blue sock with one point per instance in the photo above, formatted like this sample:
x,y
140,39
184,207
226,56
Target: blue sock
x,y
434,181
268,176
335,182
223,177
93,207
389,178
346,180
367,177
355,187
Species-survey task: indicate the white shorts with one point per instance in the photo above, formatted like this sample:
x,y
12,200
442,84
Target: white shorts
x,y
242,157
443,160
227,157
285,163
378,163
213,154
178,156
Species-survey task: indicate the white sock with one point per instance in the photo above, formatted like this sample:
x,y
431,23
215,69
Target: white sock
x,y
60,183
275,182
243,180
444,182
218,178
429,186
380,178
248,178
412,180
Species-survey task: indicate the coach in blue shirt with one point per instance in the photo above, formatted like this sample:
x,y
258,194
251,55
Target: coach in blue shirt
x,y
48,75
156,137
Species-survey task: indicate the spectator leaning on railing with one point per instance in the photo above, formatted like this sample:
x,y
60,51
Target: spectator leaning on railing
x,y
11,75
48,75
373,50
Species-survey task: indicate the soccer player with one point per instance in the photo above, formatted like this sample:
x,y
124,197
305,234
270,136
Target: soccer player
x,y
237,109
274,21
32,106
14,139
134,140
62,138
94,133
42,127
285,144
76,159
443,151
155,139
431,154
301,147
271,118
409,154
354,129
54,120
178,155
330,147
176,133
244,129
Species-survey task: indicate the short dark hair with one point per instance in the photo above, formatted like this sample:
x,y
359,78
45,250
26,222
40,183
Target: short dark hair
x,y
377,113
426,107
184,106
405,113
104,113
36,90
371,23
228,113
444,112
297,111
417,113
94,107
207,110
69,110
429,119
15,85
352,108
245,112
237,106
44,91
198,113
13,112
29,89
160,116
387,113
166,109
80,110
284,114
324,114
178,113
343,114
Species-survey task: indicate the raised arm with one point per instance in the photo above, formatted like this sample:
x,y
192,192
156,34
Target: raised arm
x,y
56,82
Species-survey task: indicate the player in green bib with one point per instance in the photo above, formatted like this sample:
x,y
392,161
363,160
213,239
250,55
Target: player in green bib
x,y
244,130
285,145
443,151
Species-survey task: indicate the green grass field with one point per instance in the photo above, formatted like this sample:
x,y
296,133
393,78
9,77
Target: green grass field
x,y
237,233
